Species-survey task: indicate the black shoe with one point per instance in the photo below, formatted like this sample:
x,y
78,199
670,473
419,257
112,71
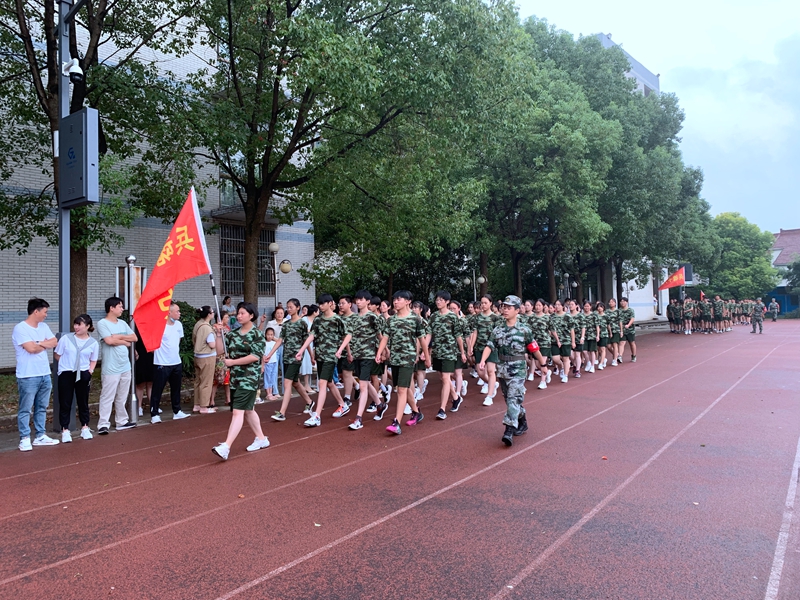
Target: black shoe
x,y
103,431
456,404
508,436
128,425
382,408
522,425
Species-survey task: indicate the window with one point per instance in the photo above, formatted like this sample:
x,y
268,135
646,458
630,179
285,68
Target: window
x,y
231,260
227,192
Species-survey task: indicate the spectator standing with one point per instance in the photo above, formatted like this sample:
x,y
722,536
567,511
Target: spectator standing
x,y
77,355
143,374
32,338
115,370
221,372
774,308
205,358
168,368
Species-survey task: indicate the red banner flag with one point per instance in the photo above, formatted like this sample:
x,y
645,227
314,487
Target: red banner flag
x,y
702,296
183,256
674,280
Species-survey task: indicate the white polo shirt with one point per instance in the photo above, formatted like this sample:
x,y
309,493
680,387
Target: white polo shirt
x,y
168,353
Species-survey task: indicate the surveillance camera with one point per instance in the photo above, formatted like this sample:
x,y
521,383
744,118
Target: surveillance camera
x,y
74,71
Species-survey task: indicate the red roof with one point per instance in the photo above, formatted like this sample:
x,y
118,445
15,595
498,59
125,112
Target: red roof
x,y
788,242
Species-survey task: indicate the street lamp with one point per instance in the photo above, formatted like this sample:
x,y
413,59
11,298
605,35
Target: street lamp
x,y
273,249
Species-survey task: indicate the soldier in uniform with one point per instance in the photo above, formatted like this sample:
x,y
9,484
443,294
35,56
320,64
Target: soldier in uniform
x,y
511,340
774,308
757,316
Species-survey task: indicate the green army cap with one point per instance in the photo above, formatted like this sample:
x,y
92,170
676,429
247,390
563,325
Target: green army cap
x,y
513,301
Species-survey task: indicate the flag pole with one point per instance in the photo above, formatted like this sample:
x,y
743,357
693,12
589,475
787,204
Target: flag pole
x,y
219,314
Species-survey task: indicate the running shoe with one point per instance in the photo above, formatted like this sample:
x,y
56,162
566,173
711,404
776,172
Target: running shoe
x,y
633,358
339,385
372,408
155,419
309,408
278,416
619,360
481,382
389,392
564,378
407,410
485,388
382,408
456,403
441,414
66,437
464,385
424,385
86,433
415,418
543,385
222,450
488,401
530,376
600,367
578,374
356,424
124,426
341,411
418,396
549,374
394,428
258,444
613,363
312,421
179,415
25,444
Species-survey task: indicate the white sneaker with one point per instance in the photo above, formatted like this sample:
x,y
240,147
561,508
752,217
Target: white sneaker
x,y
312,421
66,437
488,401
543,385
484,388
600,367
389,391
481,382
141,412
597,362
564,379
496,387
44,440
418,396
474,373
605,363
407,410
86,433
180,415
549,374
464,385
25,445
530,376
613,363
258,444
341,411
155,419
340,385
424,385
222,450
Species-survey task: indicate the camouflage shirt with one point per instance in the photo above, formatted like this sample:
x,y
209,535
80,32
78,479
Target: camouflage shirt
x,y
403,333
625,315
688,310
613,320
511,342
293,334
246,377
603,322
445,330
758,310
719,307
484,325
562,325
591,321
540,326
328,335
578,321
365,329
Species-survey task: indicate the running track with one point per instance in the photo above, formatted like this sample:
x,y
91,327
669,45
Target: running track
x,y
694,500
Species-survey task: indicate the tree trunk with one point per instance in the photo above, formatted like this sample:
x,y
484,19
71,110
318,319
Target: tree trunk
x,y
255,208
516,266
391,289
579,290
602,291
618,268
78,276
484,270
550,268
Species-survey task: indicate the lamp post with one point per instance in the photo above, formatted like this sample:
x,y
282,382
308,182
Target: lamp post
x,y
129,292
273,249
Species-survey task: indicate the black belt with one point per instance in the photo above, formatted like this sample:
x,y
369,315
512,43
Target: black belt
x,y
505,358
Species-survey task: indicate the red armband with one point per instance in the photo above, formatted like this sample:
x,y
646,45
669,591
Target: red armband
x,y
533,347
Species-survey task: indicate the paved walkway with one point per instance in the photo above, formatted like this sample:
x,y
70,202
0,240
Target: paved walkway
x,y
674,477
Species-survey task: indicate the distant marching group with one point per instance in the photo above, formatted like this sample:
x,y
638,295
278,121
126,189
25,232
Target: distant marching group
x,y
718,315
503,344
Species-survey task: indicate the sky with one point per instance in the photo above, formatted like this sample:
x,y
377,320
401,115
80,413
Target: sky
x,y
735,68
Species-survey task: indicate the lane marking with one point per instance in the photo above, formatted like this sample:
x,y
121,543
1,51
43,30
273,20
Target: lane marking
x,y
567,535
774,583
229,505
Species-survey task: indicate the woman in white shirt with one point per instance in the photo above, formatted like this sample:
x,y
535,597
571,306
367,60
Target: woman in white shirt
x,y
77,355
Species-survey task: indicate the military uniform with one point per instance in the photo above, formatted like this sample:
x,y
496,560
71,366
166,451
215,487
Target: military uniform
x,y
612,317
511,346
365,330
446,329
245,379
328,335
562,325
757,316
403,333
774,307
483,325
625,316
540,327
293,334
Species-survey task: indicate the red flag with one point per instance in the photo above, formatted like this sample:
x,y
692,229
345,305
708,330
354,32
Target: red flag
x,y
702,296
183,256
674,280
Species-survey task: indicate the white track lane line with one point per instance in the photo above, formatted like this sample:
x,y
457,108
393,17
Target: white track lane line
x,y
774,583
567,535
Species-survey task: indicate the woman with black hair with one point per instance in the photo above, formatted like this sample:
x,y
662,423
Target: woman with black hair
x,y
77,355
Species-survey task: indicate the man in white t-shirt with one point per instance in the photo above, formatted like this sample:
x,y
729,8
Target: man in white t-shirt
x,y
116,338
168,368
32,339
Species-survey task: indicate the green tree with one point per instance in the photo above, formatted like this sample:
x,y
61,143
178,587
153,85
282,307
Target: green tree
x,y
744,269
132,98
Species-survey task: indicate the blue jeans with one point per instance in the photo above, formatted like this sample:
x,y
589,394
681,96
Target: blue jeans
x,y
34,393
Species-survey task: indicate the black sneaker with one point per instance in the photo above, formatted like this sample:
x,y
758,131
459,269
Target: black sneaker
x,y
348,401
522,425
103,431
128,425
372,408
441,414
456,403
508,436
382,408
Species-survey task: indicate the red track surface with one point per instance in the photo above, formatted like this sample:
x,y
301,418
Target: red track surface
x,y
700,435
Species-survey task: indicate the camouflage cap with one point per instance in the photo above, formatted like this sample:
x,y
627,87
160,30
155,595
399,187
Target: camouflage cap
x,y
513,301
